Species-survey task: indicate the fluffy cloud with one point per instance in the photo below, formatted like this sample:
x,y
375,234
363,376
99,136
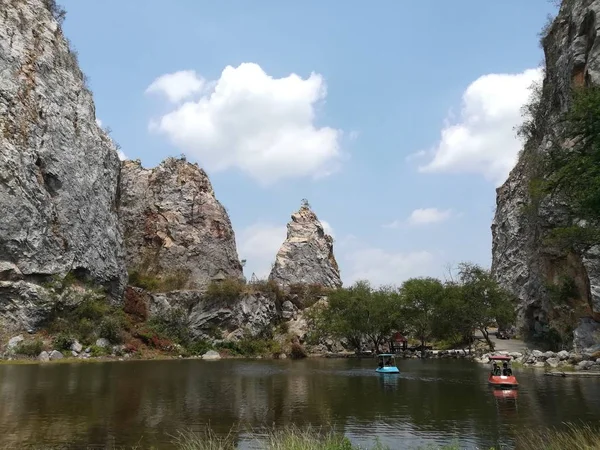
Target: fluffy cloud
x,y
428,215
258,244
422,216
177,86
251,121
484,140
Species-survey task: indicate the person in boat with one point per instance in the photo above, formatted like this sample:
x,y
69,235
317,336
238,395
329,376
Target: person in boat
x,y
495,369
506,371
388,361
380,364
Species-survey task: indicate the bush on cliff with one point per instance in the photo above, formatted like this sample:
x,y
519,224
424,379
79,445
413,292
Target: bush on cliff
x,y
154,283
226,291
30,348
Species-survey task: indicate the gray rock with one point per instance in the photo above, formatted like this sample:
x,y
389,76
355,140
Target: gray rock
x,y
586,337
549,355
288,310
14,342
306,256
88,350
585,365
44,356
553,362
55,354
74,353
539,364
76,347
537,354
516,355
174,225
58,170
102,342
563,355
211,355
523,260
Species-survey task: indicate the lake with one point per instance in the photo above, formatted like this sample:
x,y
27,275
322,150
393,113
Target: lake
x,y
112,404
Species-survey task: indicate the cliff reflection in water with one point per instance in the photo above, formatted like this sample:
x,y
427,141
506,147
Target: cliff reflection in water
x,y
147,402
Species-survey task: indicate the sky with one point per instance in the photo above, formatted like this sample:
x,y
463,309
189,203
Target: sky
x,y
395,121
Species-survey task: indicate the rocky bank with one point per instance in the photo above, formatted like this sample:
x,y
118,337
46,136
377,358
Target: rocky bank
x,y
58,170
523,261
306,256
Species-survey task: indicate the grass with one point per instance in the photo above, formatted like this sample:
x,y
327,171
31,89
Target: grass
x,y
573,437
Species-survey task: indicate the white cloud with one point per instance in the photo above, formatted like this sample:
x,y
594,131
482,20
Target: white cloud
x,y
353,135
99,123
327,228
258,244
416,155
261,125
177,86
422,216
122,156
383,267
426,216
484,140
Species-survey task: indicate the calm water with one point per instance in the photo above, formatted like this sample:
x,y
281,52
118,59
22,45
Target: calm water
x,y
147,402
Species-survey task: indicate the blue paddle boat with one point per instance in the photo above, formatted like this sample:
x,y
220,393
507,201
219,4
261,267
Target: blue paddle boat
x,y
387,363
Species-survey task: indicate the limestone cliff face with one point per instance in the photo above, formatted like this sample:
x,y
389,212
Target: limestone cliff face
x,y
523,260
173,224
306,256
58,170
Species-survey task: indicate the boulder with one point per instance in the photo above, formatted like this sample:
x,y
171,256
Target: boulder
x,y
44,356
102,342
76,347
211,355
553,362
563,355
585,365
14,342
55,354
288,310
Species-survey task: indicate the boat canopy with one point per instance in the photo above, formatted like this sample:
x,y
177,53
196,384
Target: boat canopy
x,y
500,358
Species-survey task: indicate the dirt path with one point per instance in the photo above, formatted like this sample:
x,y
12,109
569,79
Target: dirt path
x,y
505,345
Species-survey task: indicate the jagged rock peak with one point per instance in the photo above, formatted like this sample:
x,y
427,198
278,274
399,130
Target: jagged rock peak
x,y
174,226
522,259
58,170
306,256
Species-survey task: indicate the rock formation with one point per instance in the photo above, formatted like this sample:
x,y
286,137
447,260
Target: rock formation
x,y
306,255
523,261
58,170
173,224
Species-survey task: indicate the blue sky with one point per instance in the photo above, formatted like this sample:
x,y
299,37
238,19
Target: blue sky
x,y
397,125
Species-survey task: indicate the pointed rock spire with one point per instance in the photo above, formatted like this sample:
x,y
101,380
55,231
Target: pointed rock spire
x,y
306,256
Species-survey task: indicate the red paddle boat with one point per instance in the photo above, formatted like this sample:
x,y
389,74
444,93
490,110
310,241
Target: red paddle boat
x,y
501,375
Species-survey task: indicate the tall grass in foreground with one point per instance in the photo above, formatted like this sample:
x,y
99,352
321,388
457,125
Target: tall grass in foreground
x,y
574,437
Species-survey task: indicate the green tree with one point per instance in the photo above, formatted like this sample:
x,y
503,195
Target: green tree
x,y
421,299
481,301
572,167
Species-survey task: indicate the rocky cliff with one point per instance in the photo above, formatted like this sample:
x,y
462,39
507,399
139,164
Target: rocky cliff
x,y
58,170
523,259
306,256
174,226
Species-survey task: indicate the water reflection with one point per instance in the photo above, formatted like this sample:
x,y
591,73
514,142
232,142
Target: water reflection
x,y
429,402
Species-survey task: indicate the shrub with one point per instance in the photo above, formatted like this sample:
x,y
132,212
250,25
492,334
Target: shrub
x,y
298,351
135,304
31,348
268,288
96,350
226,291
173,325
111,328
62,341
199,347
154,283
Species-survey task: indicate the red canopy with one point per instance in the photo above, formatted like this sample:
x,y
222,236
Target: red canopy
x,y
398,337
500,358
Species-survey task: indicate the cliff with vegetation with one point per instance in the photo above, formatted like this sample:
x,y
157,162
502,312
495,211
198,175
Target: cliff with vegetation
x,y
177,235
556,278
58,170
306,256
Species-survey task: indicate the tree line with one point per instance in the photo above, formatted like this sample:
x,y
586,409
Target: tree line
x,y
422,308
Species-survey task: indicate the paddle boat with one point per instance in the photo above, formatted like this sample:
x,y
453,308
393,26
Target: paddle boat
x,y
501,375
387,363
